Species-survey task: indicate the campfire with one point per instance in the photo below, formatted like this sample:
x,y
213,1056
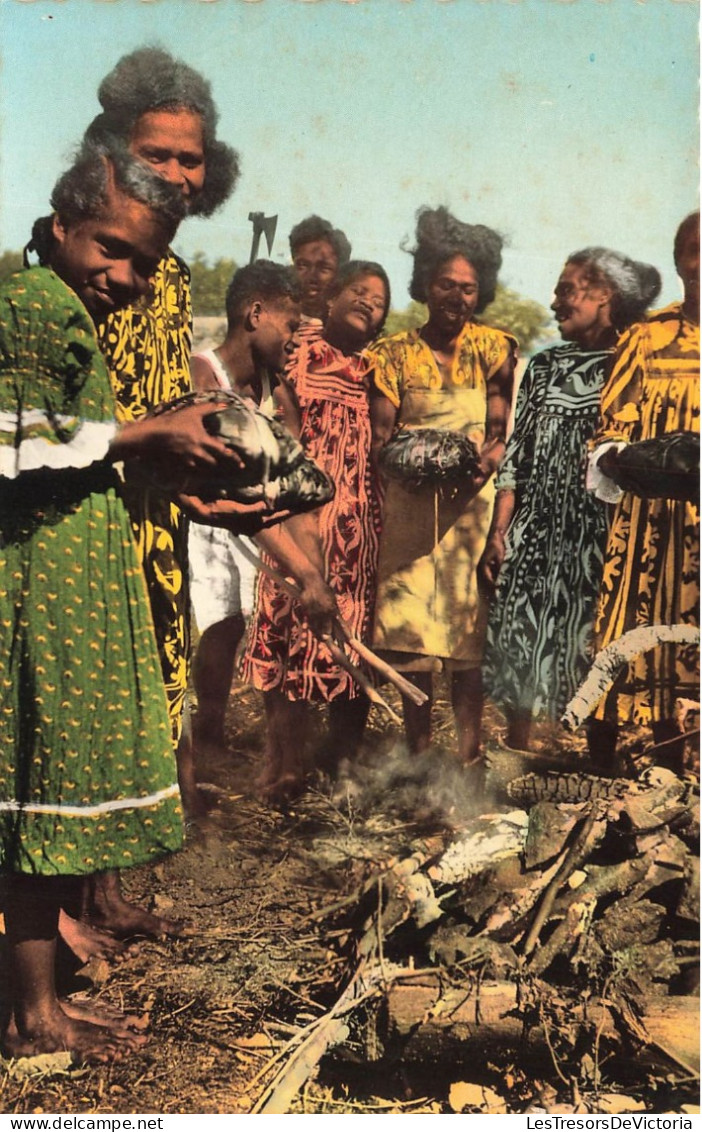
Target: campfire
x,y
557,933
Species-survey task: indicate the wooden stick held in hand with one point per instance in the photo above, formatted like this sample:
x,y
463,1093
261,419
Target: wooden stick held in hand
x,y
408,689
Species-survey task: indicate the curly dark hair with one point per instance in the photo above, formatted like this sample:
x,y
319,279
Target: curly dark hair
x,y
270,282
316,228
687,226
634,285
82,193
440,237
151,79
359,269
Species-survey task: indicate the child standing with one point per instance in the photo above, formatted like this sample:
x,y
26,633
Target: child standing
x,y
87,772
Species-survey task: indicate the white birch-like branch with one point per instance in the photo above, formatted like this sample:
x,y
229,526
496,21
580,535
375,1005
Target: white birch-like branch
x,y
612,658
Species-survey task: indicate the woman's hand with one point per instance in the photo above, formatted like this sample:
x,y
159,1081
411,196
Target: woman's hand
x,y
607,463
491,560
240,518
493,556
177,443
319,604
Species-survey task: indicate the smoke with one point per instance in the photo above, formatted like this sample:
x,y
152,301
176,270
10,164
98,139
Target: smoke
x,y
432,787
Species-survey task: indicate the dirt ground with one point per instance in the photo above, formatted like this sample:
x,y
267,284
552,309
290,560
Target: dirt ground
x,y
259,960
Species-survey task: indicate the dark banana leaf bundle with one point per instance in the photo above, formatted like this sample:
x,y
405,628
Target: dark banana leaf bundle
x,y
425,457
666,467
275,469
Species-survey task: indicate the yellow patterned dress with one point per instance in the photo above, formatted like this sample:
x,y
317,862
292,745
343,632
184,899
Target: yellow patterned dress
x,y
147,349
87,773
651,568
428,603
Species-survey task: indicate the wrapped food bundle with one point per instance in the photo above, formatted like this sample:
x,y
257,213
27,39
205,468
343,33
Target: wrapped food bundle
x,y
426,457
276,470
666,467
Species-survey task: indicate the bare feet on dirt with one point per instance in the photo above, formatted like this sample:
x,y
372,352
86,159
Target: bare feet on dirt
x,y
103,1014
109,911
280,790
57,1032
88,943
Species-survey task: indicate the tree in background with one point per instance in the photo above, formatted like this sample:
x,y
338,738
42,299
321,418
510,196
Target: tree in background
x,y
9,263
526,319
209,284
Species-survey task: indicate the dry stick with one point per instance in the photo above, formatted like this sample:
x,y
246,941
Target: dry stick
x,y
363,682
675,739
407,688
403,685
569,864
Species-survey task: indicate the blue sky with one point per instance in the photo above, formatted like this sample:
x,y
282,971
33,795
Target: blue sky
x,y
561,123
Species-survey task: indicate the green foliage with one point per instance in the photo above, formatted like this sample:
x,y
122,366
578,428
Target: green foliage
x,y
9,262
209,284
526,319
412,316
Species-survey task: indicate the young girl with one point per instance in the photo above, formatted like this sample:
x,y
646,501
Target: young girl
x,y
87,772
285,659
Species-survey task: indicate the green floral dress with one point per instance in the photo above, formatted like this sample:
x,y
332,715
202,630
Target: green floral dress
x,y
87,774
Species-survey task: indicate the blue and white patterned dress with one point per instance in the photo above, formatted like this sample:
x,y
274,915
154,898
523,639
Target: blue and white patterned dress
x,y
540,626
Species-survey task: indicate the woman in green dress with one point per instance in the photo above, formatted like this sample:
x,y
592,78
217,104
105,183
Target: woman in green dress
x,y
87,773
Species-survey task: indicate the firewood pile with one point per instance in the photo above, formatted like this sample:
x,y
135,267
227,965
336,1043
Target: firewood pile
x,y
559,934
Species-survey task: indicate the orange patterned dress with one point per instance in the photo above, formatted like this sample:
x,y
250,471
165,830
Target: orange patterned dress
x,y
282,653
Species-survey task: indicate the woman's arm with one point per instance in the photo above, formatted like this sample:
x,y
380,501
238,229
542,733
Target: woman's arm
x,y
179,438
493,556
295,546
287,407
499,402
383,416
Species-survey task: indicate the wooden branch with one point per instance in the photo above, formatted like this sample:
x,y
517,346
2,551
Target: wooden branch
x,y
585,839
618,653
373,694
403,685
361,679
320,1036
601,881
430,1019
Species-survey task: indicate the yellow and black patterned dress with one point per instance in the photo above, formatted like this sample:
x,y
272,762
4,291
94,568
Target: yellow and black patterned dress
x,y
428,602
651,567
147,349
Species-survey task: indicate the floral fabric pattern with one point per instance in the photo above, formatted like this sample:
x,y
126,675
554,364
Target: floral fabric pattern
x,y
282,652
147,348
652,560
540,624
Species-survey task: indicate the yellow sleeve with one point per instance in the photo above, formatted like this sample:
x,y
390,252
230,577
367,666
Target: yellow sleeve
x,y
621,395
387,360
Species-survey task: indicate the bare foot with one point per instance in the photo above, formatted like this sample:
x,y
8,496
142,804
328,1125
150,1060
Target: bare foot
x,y
88,943
129,921
58,1033
109,911
105,1015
